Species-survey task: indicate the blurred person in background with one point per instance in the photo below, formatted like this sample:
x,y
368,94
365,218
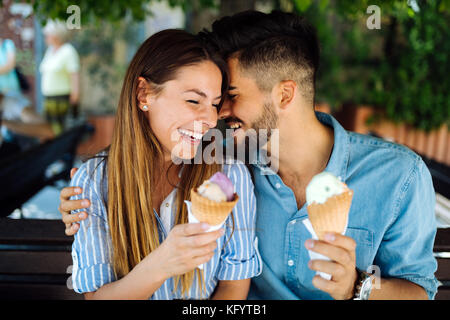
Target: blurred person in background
x,y
6,148
14,100
18,116
60,76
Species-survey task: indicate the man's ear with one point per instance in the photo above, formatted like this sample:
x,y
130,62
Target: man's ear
x,y
143,92
285,93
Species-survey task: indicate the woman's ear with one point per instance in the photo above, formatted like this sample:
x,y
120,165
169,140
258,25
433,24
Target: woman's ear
x,y
143,94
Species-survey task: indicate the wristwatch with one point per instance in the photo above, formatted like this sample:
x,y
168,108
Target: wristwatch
x,y
363,286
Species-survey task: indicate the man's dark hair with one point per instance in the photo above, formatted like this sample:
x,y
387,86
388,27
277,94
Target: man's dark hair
x,y
270,47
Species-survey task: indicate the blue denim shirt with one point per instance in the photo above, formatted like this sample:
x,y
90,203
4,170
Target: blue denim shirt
x,y
391,219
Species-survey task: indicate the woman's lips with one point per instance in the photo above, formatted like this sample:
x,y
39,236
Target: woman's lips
x,y
190,136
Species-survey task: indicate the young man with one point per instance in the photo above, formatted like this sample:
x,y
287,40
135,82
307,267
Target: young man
x,y
273,59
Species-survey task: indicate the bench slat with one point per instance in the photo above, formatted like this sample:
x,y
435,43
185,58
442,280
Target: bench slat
x,y
38,262
9,291
442,241
443,293
33,231
443,271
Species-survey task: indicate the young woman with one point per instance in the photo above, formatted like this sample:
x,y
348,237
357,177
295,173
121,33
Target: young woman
x,y
136,242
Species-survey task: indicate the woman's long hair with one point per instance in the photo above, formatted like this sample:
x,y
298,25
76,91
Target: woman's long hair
x,y
135,154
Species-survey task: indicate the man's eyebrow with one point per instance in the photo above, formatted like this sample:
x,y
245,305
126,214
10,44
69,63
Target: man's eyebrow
x,y
200,93
231,88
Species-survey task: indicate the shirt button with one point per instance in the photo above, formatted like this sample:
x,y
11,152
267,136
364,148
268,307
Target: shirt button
x,y
277,185
290,263
167,204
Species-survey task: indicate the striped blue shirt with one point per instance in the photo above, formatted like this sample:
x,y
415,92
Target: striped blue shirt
x,y
235,258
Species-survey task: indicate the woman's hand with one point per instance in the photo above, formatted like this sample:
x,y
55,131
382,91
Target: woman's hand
x,y
186,247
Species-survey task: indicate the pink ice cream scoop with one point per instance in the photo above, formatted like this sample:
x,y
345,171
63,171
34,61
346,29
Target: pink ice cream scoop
x,y
218,188
224,183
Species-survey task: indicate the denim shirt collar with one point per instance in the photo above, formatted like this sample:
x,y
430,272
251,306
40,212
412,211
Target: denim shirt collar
x,y
338,162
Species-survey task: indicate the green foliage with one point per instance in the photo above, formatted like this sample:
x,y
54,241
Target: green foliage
x,y
401,68
95,11
416,84
96,45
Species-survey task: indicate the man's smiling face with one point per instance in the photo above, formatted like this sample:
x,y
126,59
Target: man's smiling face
x,y
248,107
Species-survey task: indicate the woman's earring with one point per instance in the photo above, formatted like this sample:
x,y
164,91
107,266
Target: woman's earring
x,y
145,108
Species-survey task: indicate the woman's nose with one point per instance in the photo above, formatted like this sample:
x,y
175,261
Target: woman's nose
x,y
209,117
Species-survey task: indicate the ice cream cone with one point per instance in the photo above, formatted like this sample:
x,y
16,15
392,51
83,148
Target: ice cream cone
x,y
332,215
210,211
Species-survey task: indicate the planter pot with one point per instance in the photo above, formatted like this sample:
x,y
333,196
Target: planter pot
x,y
102,136
386,129
447,159
354,118
323,107
442,144
434,145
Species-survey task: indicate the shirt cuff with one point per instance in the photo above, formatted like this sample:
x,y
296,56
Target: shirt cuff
x,y
231,269
92,278
430,285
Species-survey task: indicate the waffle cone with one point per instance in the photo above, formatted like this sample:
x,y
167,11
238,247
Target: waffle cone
x,y
332,215
210,211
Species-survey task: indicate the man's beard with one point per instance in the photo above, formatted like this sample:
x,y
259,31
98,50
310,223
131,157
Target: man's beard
x,y
258,136
268,120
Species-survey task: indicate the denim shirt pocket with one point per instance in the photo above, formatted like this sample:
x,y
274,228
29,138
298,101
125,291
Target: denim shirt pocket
x,y
364,246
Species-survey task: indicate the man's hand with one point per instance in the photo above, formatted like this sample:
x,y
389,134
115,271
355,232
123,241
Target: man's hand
x,y
342,267
66,206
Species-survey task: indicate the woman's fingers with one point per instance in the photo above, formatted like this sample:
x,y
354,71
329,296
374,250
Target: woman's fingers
x,y
203,250
188,245
202,259
190,229
204,238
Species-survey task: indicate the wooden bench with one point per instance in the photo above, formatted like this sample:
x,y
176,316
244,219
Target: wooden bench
x,y
35,260
442,253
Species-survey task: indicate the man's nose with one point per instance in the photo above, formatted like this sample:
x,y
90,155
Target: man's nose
x,y
225,111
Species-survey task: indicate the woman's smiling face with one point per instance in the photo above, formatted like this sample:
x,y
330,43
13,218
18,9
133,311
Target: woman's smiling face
x,y
185,109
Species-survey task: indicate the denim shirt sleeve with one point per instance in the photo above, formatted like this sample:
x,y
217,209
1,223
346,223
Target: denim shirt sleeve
x,y
406,250
91,249
240,257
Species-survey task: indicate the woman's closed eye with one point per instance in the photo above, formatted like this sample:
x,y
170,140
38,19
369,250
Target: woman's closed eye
x,y
215,105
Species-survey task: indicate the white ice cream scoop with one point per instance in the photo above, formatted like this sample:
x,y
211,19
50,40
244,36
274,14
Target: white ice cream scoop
x,y
211,191
323,186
